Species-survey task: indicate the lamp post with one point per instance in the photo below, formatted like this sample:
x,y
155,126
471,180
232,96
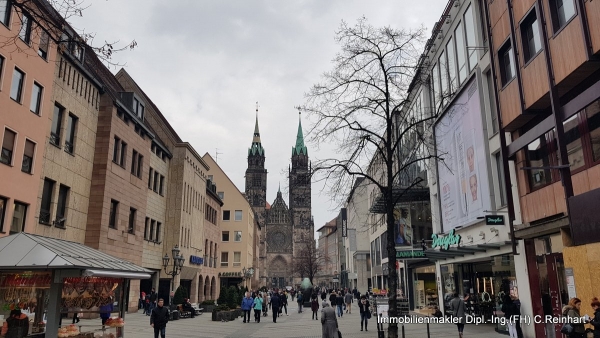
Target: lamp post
x,y
247,273
178,261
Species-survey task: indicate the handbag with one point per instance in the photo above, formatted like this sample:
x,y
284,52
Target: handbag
x,y
339,334
368,314
567,328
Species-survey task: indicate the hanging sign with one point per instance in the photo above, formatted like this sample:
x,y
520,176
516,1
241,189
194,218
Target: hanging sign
x,y
196,260
446,241
409,254
494,220
344,222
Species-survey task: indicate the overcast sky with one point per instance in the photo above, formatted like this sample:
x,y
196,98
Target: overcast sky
x,y
206,63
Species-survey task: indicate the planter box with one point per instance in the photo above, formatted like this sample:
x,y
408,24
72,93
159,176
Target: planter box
x,y
229,315
207,308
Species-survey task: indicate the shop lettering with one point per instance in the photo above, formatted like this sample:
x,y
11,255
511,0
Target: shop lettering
x,y
494,220
446,241
196,260
410,254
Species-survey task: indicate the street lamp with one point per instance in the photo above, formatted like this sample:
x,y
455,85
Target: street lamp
x,y
178,261
247,273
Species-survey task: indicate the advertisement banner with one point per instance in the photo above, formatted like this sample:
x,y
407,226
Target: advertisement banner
x,y
462,167
344,222
402,227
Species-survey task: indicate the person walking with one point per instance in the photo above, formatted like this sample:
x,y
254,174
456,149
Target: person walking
x,y
159,319
275,304
153,298
284,303
105,311
314,306
329,322
300,300
595,321
16,325
147,305
349,298
257,305
339,301
332,297
457,306
508,307
572,311
323,295
246,306
265,303
365,312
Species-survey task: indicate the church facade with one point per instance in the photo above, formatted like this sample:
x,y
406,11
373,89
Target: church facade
x,y
287,228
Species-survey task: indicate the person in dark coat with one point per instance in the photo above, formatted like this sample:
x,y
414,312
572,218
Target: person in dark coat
x,y
363,307
339,301
332,297
284,303
16,325
509,309
457,306
572,311
275,304
329,322
595,321
105,311
159,319
323,296
314,306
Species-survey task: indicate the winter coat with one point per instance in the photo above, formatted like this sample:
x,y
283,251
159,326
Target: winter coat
x,y
457,305
348,298
300,298
284,300
323,295
329,322
159,317
247,303
363,307
596,323
339,300
106,310
258,303
572,312
275,302
16,327
510,309
332,297
314,305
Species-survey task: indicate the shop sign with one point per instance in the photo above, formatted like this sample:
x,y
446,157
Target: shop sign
x,y
494,220
570,282
409,254
230,274
335,280
446,241
344,222
196,260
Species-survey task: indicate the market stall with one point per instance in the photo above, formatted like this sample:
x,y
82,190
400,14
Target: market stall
x,y
46,278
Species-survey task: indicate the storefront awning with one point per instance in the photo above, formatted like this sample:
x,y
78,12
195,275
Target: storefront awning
x,y
32,252
400,195
461,251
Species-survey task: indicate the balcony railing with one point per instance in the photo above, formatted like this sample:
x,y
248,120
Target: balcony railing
x,y
44,217
69,147
55,139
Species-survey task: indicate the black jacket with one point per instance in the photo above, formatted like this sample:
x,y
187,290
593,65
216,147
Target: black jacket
x,y
332,298
159,317
339,300
283,299
363,307
275,301
153,296
596,323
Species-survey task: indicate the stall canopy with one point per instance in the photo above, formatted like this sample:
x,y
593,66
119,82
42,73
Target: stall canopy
x,y
32,252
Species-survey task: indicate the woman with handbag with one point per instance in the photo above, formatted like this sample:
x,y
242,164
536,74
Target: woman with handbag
x,y
365,313
572,311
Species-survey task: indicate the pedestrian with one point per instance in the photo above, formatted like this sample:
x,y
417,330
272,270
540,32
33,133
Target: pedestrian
x,y
329,322
300,300
153,298
187,306
105,311
332,297
572,311
517,310
339,301
349,299
159,319
355,293
323,296
16,325
457,306
275,304
142,300
147,305
284,303
246,306
257,305
595,321
265,303
509,309
314,306
365,312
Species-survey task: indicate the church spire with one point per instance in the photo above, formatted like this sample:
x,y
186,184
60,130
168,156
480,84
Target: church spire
x,y
300,148
256,138
256,144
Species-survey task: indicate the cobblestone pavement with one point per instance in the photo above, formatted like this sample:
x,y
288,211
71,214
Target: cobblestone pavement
x,y
295,325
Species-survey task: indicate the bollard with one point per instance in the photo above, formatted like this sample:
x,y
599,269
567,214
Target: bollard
x,y
403,331
428,335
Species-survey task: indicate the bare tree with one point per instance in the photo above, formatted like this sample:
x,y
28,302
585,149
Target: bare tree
x,y
361,106
310,261
47,21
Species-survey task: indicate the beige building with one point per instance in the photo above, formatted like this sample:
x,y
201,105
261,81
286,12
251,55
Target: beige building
x,y
238,230
327,243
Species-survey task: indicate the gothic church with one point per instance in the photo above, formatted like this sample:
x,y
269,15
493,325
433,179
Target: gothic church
x,y
285,230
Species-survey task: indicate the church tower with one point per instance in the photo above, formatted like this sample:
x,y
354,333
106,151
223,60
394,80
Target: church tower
x,y
299,193
256,175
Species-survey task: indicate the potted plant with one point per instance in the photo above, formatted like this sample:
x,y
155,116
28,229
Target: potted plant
x,y
208,305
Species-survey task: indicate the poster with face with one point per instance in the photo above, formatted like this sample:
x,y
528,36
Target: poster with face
x,y
402,227
462,169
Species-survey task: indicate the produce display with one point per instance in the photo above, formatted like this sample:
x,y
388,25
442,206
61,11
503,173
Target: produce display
x,y
69,331
115,322
88,292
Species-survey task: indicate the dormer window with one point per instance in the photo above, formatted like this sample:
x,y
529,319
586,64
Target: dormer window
x,y
138,109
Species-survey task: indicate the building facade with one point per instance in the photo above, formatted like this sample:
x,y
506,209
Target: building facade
x,y
356,244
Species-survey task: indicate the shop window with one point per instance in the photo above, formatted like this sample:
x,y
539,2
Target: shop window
x,y
593,124
27,165
530,36
8,144
56,125
225,236
573,142
45,206
113,216
18,220
61,207
506,59
540,153
561,12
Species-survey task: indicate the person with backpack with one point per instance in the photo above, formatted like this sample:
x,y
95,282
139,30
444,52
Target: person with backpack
x,y
572,311
300,300
16,325
457,307
595,321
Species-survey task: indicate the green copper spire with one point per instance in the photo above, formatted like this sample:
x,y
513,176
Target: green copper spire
x,y
300,148
256,144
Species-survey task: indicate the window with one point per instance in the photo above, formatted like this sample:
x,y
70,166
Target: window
x,y
451,65
507,63
138,108
155,186
16,88
573,142
540,154
114,212
530,36
150,173
210,177
237,258
27,165
561,11
56,125
492,101
8,144
1,61
132,214
116,149
225,236
61,207
3,202
461,58
226,215
221,195
70,137
471,41
501,178
152,229
237,236
157,235
162,185
5,13
123,154
44,43
238,215
224,259
134,159
46,201
443,76
435,79
593,123
18,221
36,98
25,31
146,228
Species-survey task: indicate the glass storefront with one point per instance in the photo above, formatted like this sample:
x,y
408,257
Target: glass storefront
x,y
424,290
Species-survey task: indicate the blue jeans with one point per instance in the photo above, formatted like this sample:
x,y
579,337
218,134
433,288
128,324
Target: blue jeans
x,y
161,330
363,318
340,310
